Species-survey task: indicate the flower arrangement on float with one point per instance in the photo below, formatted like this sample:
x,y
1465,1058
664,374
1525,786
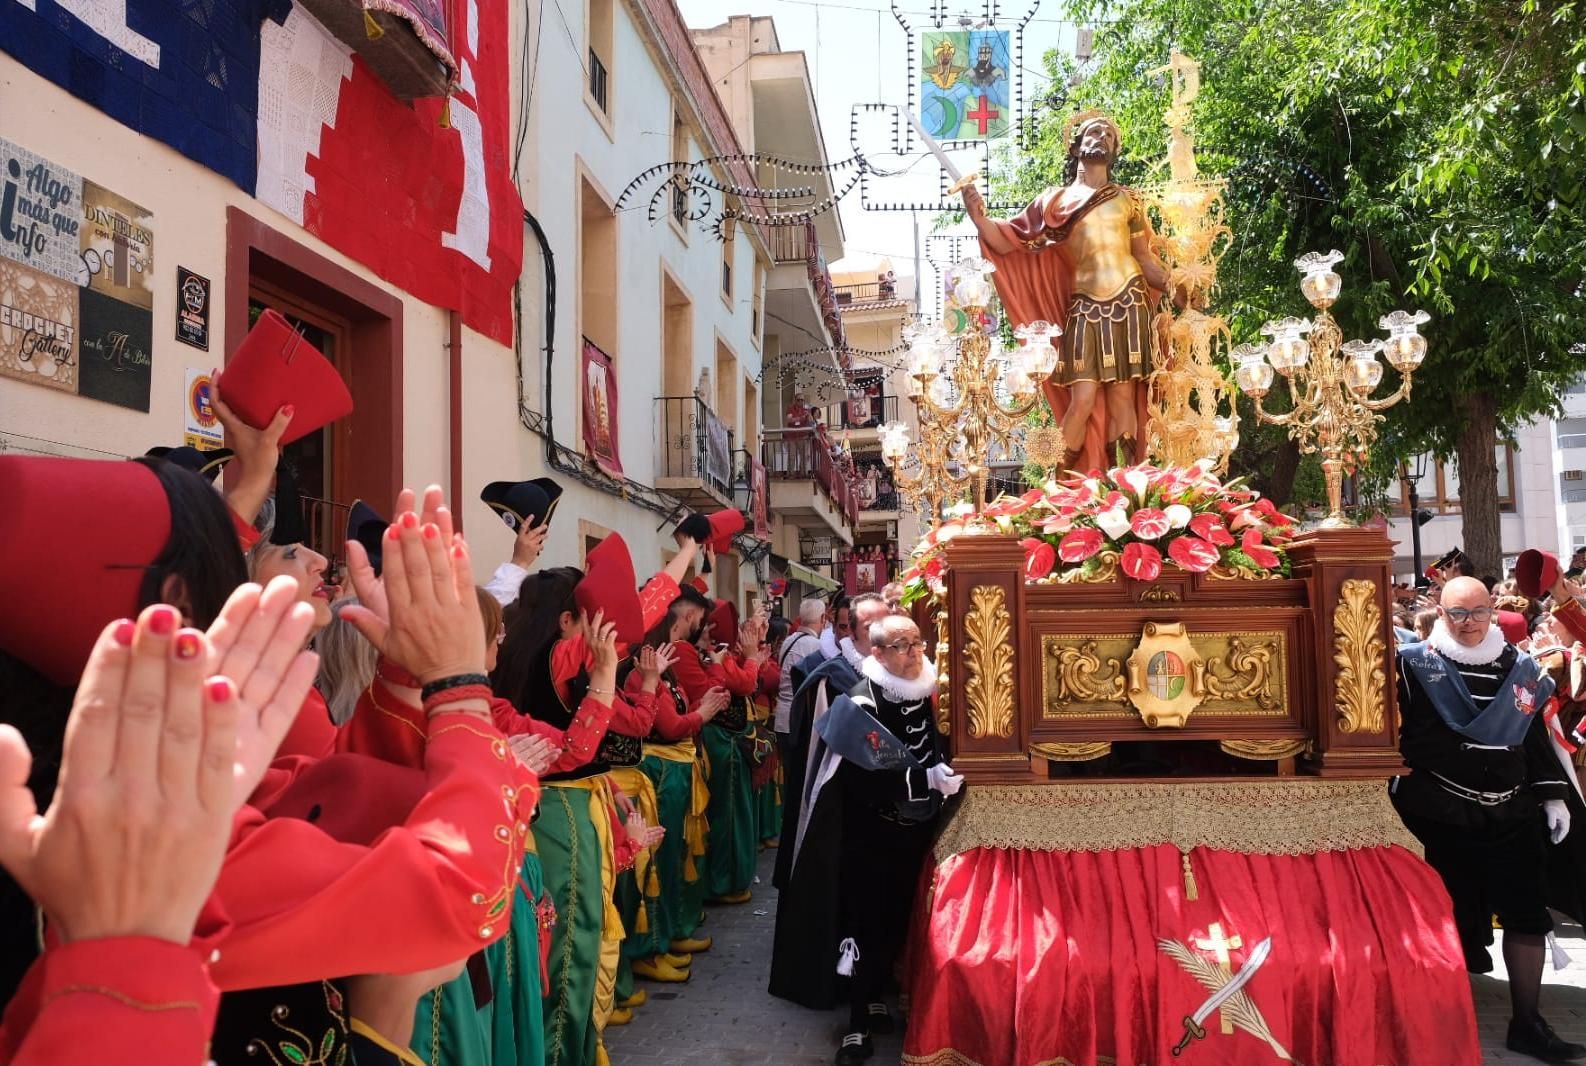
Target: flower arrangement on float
x,y
1132,520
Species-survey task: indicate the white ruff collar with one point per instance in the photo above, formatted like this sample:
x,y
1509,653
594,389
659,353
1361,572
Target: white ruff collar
x,y
898,689
851,653
1442,641
829,649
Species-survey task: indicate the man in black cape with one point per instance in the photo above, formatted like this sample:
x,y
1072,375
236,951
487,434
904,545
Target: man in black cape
x,y
877,785
826,679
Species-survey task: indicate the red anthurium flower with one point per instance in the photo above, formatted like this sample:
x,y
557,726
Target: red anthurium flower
x,y
1260,554
1209,527
1149,523
1193,554
1242,519
1142,561
1039,558
1079,545
1058,523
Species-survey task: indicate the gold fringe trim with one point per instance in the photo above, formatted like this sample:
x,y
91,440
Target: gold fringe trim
x,y
1288,817
953,1057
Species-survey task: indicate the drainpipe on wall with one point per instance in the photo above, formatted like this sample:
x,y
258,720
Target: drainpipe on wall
x,y
454,347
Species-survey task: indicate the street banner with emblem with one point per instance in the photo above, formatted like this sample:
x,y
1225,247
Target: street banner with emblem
x,y
964,84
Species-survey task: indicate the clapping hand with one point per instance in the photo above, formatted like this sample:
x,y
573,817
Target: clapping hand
x,y
638,829
600,636
422,612
653,662
713,703
158,757
535,752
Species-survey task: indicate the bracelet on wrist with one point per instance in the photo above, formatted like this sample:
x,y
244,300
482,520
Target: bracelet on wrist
x,y
592,691
441,684
446,697
395,674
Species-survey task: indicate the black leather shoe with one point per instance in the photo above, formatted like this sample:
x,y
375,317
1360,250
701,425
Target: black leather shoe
x,y
1538,1040
879,1020
855,1049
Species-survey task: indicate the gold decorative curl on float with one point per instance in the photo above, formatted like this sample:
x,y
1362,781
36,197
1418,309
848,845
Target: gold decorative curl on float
x,y
1074,752
1084,677
1359,652
1243,672
1232,573
1160,594
988,656
1265,750
944,683
1106,570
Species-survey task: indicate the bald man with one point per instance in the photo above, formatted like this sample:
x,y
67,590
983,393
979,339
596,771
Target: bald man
x,y
1485,793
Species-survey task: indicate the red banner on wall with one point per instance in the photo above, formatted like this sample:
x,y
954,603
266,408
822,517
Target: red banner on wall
x,y
759,503
600,410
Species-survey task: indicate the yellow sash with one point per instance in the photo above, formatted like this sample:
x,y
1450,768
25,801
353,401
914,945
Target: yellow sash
x,y
695,826
638,787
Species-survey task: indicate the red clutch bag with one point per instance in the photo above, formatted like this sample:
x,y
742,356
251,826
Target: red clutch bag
x,y
275,366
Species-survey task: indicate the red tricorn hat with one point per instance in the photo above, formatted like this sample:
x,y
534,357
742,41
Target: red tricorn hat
x,y
1536,571
63,576
609,585
724,623
353,798
724,525
275,366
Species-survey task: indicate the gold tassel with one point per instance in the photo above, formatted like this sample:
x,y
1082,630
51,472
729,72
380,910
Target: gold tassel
x,y
1191,890
371,28
446,114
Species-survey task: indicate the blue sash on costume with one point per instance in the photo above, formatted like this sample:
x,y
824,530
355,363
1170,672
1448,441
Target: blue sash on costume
x,y
856,735
1506,719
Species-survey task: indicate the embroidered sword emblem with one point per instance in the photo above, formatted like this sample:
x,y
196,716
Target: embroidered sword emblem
x,y
1227,994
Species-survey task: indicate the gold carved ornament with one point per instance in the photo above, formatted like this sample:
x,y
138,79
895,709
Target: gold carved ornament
x,y
1159,594
1072,752
1166,675
1265,750
1244,673
944,683
1239,573
988,658
1084,677
1106,569
1360,654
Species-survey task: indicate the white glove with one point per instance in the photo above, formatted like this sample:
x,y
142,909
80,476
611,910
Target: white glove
x,y
1556,814
942,779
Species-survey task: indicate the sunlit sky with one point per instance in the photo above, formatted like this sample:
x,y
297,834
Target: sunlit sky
x,y
858,54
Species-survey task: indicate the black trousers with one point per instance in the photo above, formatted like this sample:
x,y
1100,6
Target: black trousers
x,y
881,861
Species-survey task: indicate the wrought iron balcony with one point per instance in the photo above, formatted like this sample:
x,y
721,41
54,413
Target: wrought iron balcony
x,y
696,452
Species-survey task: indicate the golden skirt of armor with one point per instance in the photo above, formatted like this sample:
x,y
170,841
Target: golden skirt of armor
x,y
1107,340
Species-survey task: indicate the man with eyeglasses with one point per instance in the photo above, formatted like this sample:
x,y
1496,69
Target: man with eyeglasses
x,y
1484,782
877,788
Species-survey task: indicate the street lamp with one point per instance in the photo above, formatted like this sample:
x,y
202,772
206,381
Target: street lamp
x,y
1330,381
1411,474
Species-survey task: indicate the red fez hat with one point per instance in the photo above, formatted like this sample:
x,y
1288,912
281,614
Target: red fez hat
x,y
609,585
353,798
723,526
64,578
724,623
701,584
1535,572
275,366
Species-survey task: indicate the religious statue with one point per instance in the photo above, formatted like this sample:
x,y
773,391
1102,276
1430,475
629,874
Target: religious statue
x,y
1080,257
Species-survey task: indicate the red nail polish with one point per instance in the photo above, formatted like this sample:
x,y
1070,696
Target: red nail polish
x,y
393,533
188,646
123,632
431,532
410,520
219,689
457,552
162,623
290,411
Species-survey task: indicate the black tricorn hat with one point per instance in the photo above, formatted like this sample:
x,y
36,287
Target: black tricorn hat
x,y
206,464
523,502
368,529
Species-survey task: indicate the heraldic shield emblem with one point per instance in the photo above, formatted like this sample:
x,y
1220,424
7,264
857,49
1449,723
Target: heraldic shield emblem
x,y
1167,676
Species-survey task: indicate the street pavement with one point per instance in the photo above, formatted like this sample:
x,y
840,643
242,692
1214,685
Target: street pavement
x,y
723,1016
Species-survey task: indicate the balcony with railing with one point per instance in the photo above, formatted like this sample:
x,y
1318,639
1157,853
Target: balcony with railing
x,y
867,292
857,413
807,483
696,457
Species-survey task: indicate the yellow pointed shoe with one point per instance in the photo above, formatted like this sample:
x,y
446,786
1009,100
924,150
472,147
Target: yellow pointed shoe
x,y
620,1016
678,961
734,898
656,970
638,999
691,947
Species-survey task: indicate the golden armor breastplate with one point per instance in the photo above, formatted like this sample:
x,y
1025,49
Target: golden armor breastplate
x,y
1098,247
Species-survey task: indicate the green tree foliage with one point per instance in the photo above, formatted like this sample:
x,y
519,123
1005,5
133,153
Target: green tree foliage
x,y
1438,143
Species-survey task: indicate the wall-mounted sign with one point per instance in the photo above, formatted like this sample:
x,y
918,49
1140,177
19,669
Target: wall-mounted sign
x,y
202,428
192,308
76,283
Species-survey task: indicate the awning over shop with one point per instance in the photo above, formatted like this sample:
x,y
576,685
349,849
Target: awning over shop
x,y
800,572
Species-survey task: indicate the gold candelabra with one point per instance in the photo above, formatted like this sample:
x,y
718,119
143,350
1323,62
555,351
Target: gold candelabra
x,y
969,412
1330,380
1188,395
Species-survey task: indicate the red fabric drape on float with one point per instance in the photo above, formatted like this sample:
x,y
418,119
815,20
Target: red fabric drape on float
x,y
1023,957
